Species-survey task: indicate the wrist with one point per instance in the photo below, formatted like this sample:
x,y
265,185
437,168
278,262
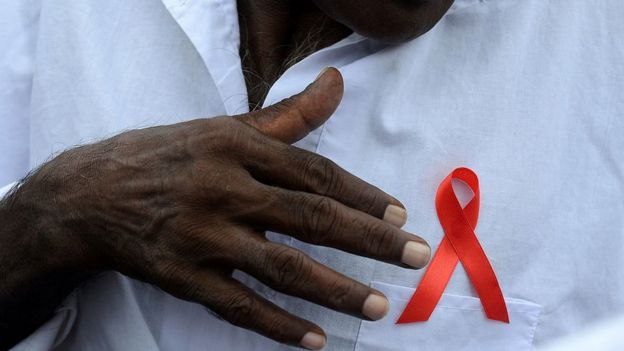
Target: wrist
x,y
41,229
37,273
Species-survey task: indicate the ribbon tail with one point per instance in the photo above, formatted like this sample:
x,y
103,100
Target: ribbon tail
x,y
430,290
492,297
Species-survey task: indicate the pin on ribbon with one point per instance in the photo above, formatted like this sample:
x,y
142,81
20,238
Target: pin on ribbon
x,y
459,243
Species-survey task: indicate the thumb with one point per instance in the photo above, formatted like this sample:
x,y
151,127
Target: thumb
x,y
293,118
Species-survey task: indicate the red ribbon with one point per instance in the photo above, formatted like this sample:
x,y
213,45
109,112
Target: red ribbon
x,y
459,243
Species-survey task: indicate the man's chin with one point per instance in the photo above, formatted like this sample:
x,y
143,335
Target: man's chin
x,y
390,21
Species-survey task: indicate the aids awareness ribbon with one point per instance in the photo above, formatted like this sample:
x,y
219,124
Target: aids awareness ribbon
x,y
459,243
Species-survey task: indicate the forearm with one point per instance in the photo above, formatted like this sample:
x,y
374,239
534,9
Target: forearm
x,y
39,264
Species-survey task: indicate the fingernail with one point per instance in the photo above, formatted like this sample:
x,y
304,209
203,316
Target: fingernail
x,y
416,254
322,72
313,341
375,307
395,215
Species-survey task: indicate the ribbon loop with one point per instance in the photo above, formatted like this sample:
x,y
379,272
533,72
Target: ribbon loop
x,y
459,243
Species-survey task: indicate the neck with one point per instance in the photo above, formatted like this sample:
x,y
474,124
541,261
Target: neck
x,y
276,34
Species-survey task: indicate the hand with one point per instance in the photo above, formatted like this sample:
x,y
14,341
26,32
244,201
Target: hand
x,y
184,205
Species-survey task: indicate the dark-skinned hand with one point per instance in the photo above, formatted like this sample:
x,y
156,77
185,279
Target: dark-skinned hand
x,y
183,206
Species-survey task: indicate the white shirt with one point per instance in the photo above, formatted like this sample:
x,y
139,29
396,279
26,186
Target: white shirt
x,y
525,92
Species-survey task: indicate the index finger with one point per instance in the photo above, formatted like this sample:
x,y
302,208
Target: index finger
x,y
300,170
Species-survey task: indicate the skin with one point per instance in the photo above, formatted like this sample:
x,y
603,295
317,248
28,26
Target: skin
x,y
276,34
391,21
182,206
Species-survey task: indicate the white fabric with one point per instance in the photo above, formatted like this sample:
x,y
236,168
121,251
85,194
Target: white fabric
x,y
212,27
18,32
526,93
455,321
604,336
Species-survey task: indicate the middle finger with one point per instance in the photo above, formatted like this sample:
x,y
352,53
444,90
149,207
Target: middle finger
x,y
323,221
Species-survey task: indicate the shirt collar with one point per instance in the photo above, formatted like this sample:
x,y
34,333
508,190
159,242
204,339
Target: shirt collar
x,y
212,27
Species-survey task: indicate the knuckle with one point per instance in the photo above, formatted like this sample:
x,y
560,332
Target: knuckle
x,y
279,108
239,308
277,329
377,240
288,268
285,104
321,175
340,294
324,177
174,278
374,203
320,219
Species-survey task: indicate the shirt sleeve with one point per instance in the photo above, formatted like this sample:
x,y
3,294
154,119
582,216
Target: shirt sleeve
x,y
18,38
